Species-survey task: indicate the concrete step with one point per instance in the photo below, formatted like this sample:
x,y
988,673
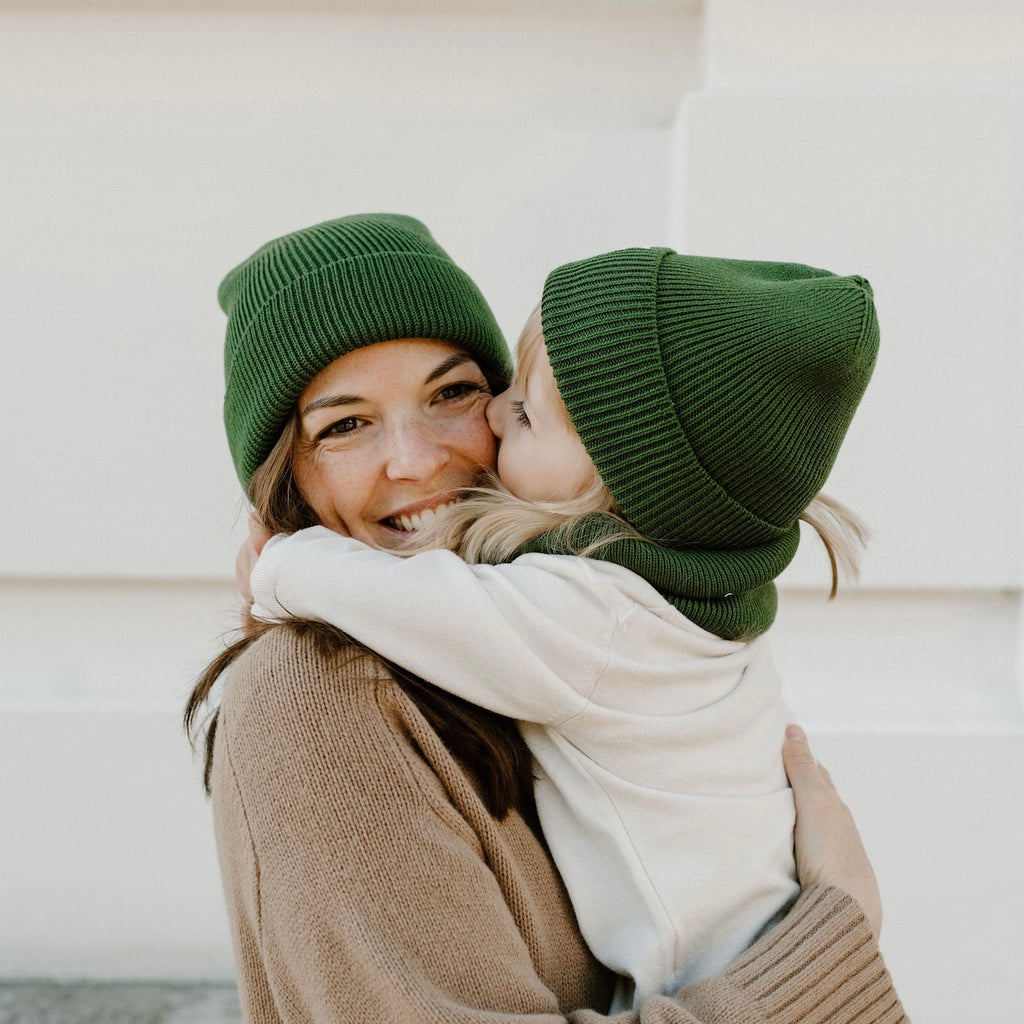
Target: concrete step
x,y
91,1002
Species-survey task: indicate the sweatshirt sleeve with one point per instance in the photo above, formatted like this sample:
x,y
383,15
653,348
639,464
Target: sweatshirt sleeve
x,y
365,881
528,639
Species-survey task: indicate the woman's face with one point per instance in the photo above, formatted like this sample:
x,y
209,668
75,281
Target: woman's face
x,y
389,433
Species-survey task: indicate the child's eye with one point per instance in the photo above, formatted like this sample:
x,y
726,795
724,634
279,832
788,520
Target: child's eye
x,y
519,412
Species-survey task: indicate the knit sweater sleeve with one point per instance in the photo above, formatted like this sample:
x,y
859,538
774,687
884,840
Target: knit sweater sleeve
x,y
365,881
821,965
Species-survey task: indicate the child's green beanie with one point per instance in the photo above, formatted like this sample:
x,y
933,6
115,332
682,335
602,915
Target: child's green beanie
x,y
303,300
713,396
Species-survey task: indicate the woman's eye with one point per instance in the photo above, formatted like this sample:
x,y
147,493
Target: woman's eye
x,y
519,412
453,392
345,426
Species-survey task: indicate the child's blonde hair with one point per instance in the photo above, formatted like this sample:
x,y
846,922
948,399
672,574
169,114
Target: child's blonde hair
x,y
489,524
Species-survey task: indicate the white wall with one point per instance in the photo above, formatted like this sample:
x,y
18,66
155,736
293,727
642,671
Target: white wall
x,y
147,148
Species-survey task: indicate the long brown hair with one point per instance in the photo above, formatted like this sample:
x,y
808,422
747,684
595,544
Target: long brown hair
x,y
487,744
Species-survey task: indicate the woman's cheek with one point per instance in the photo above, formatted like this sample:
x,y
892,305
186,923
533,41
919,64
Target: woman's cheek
x,y
331,482
472,439
488,456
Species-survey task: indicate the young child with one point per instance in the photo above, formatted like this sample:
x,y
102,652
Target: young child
x,y
671,418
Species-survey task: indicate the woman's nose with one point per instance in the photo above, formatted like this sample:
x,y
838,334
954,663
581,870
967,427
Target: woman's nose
x,y
416,452
496,414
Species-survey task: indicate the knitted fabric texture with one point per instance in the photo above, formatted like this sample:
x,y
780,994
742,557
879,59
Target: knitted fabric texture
x,y
713,396
305,299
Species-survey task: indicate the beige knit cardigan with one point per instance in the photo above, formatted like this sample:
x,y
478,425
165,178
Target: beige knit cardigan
x,y
366,882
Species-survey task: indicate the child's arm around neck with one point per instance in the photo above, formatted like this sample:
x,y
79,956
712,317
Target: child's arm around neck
x,y
525,639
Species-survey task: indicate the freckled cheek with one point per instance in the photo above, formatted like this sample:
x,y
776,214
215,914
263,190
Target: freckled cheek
x,y
336,493
472,439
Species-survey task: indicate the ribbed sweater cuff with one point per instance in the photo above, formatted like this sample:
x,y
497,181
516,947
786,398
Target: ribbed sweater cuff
x,y
821,967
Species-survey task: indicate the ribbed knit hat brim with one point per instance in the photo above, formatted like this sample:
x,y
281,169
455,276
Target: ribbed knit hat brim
x,y
306,299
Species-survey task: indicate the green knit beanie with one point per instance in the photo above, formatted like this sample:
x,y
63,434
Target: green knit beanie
x,y
303,300
712,394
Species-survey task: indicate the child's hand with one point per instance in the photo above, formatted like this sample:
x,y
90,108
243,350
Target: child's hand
x,y
828,845
248,554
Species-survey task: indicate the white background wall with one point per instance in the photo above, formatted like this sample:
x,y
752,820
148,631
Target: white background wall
x,y
147,147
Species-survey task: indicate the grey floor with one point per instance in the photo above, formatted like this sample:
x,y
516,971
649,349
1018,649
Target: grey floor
x,y
51,1002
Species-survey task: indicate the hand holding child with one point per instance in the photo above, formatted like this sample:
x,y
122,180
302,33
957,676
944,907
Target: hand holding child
x,y
828,846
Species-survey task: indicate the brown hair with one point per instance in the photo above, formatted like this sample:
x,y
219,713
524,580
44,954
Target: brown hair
x,y
272,489
486,743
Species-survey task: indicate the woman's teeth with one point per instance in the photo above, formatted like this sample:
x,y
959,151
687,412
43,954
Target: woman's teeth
x,y
419,519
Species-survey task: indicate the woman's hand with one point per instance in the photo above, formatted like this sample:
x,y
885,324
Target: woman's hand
x,y
828,846
248,554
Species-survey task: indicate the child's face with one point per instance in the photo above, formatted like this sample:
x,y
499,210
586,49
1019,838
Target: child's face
x,y
540,456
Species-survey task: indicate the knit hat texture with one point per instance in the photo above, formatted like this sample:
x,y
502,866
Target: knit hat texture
x,y
713,396
305,299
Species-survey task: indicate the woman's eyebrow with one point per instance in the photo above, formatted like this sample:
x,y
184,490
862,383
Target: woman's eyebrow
x,y
333,401
329,402
447,366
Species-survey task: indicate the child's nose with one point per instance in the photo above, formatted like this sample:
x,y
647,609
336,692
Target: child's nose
x,y
496,413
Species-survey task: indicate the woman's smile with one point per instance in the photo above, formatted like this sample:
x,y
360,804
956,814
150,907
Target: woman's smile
x,y
412,518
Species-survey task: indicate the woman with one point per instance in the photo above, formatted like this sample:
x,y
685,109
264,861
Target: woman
x,y
375,835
